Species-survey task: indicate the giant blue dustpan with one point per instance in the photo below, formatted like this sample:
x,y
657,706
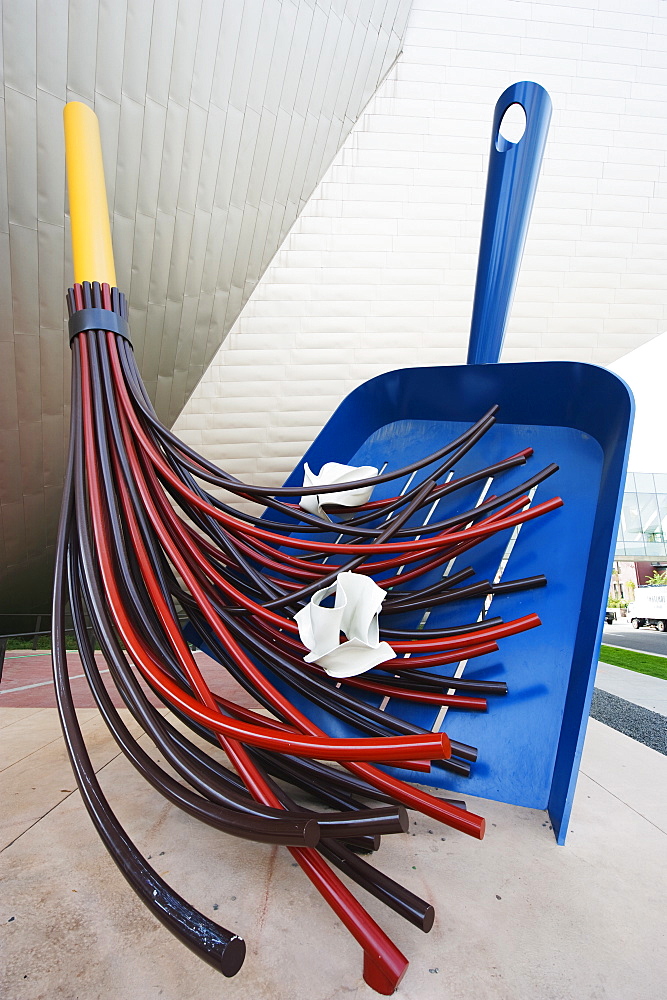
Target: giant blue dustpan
x,y
574,414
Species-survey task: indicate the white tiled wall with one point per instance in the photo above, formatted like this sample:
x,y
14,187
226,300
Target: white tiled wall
x,y
378,272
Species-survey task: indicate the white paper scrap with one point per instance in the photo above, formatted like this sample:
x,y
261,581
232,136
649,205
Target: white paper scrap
x,y
357,604
332,473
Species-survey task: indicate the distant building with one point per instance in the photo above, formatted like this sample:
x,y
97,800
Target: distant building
x,y
641,548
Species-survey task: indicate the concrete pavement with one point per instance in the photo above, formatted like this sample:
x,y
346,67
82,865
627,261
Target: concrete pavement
x,y
649,692
517,916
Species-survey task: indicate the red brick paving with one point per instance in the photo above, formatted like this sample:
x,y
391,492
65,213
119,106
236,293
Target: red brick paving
x,y
23,669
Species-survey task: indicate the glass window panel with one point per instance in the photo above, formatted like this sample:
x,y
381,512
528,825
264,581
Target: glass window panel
x,y
662,507
643,524
630,519
644,482
650,518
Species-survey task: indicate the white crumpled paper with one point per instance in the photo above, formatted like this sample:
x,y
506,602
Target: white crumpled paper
x,y
332,473
356,608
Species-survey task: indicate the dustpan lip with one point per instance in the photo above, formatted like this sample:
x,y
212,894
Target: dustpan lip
x,y
587,397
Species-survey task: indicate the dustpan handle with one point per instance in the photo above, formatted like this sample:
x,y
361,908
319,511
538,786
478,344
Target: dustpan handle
x,y
510,190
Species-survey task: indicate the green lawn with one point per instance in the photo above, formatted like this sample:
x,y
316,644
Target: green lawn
x,y
43,642
641,663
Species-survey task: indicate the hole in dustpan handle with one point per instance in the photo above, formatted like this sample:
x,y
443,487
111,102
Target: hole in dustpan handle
x,y
514,121
514,169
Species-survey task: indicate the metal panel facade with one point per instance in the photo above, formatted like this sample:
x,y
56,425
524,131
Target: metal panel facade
x,y
218,118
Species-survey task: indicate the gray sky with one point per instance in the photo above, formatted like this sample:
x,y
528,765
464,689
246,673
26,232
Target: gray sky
x,y
645,371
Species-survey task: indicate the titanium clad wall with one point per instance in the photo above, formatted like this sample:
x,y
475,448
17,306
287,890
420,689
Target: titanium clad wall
x,y
218,119
378,272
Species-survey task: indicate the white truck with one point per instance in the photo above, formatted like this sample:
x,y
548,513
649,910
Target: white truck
x,y
649,608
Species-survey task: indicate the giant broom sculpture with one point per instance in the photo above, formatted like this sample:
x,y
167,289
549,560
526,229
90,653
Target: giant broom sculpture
x,y
149,561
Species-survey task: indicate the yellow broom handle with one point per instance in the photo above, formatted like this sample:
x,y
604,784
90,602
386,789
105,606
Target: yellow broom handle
x,y
92,251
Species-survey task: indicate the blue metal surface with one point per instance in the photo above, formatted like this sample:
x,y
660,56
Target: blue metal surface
x,y
512,177
574,414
